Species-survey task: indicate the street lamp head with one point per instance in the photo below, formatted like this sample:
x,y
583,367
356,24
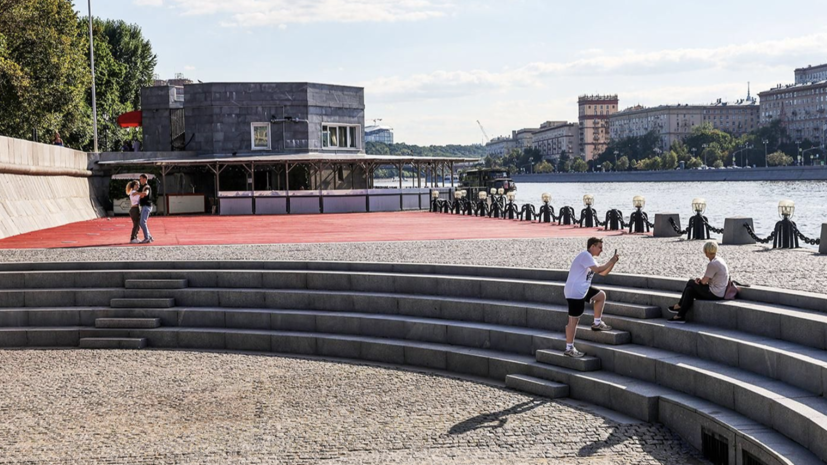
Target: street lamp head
x,y
483,195
546,197
699,204
457,195
435,194
464,193
500,191
786,208
493,191
511,196
639,201
588,200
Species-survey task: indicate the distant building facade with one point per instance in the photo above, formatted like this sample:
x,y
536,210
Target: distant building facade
x,y
523,138
500,146
674,122
383,134
555,137
811,74
801,108
593,114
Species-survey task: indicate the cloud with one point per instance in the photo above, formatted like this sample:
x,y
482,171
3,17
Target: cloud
x,y
148,2
189,68
279,13
750,56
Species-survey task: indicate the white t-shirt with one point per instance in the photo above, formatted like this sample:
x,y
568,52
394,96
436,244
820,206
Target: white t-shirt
x,y
580,276
718,274
134,198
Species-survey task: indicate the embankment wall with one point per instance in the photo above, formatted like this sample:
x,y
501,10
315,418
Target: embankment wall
x,y
786,173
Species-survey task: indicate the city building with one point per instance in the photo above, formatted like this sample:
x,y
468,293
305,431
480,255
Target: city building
x,y
500,146
801,108
811,74
594,112
555,137
674,122
524,138
383,134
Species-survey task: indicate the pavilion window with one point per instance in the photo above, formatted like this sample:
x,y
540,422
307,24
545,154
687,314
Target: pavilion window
x,y
340,136
260,136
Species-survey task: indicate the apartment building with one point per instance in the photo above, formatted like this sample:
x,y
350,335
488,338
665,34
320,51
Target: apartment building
x,y
594,112
555,137
811,74
801,108
500,146
674,122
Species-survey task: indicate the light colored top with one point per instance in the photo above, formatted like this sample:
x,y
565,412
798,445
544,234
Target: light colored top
x,y
134,198
580,276
718,275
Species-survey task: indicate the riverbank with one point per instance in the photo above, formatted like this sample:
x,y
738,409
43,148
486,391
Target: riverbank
x,y
785,173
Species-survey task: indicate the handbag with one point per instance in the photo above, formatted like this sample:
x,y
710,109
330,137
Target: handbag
x,y
732,289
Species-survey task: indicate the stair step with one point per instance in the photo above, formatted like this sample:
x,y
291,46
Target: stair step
x,y
612,337
556,358
127,322
537,386
143,303
643,312
156,283
113,343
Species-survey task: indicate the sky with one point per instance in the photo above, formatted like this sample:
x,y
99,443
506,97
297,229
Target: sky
x,y
431,69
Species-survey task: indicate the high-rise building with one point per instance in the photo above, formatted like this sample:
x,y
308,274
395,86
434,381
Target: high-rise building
x,y
383,134
801,108
594,112
674,122
555,137
811,74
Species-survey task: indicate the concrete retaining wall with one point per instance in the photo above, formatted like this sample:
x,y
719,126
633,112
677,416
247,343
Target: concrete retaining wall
x,y
42,186
786,173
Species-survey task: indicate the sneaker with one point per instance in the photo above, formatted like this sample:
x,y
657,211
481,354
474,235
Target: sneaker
x,y
134,241
574,353
145,241
601,327
151,239
677,319
671,309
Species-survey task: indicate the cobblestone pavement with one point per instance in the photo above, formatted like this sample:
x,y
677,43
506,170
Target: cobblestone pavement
x,y
801,269
125,407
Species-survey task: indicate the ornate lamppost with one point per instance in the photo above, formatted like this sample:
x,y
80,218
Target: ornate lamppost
x,y
639,220
785,236
588,216
511,208
456,207
434,201
546,212
482,204
698,226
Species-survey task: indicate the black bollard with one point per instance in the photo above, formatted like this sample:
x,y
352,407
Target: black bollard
x,y
614,220
567,216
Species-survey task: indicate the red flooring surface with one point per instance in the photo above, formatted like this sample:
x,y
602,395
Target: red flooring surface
x,y
286,229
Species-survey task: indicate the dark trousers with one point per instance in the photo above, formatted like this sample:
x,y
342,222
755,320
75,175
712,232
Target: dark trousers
x,y
135,214
694,291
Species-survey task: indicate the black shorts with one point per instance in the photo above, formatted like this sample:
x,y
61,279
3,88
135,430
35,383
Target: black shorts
x,y
576,306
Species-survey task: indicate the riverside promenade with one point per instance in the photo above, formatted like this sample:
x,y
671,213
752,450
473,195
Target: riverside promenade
x,y
778,173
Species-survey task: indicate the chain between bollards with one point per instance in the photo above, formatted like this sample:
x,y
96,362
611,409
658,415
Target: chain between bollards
x,y
804,238
752,234
675,227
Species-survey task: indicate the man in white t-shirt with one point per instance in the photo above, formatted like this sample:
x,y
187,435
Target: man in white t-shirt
x,y
579,290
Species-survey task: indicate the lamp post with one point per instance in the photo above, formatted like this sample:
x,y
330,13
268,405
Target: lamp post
x,y
698,228
705,146
616,152
693,151
798,151
531,164
92,60
765,141
785,236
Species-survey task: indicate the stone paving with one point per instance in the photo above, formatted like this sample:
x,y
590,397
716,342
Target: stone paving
x,y
123,407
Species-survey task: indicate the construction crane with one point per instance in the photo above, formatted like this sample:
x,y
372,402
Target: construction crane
x,y
486,138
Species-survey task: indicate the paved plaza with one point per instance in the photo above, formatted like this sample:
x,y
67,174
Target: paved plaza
x,y
123,407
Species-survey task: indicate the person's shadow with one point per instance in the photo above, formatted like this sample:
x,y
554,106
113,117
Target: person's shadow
x,y
495,420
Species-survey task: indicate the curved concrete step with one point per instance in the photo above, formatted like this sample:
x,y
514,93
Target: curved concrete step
x,y
127,322
112,343
144,302
537,386
155,283
557,358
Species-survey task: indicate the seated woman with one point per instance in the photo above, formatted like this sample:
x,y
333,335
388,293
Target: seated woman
x,y
711,287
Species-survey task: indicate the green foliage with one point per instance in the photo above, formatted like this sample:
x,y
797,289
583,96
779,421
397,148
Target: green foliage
x,y
579,165
45,73
607,166
544,167
634,148
779,159
669,160
402,149
718,164
694,163
623,163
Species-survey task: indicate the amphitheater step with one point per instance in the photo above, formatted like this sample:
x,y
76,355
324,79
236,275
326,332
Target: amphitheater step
x,y
643,312
556,358
113,343
613,337
127,322
537,386
156,283
143,303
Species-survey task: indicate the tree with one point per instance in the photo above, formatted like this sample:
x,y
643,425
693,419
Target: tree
x,y
694,162
129,48
718,164
579,165
622,163
779,159
669,160
43,71
543,167
607,166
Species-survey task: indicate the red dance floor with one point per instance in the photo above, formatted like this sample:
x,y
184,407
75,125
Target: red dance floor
x,y
288,229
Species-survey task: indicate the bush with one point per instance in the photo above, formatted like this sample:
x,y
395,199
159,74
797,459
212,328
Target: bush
x,y
779,159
